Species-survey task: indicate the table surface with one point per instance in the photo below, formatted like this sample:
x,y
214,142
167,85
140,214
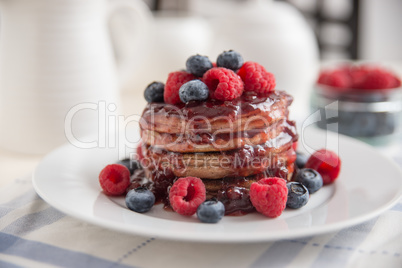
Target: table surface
x,y
33,234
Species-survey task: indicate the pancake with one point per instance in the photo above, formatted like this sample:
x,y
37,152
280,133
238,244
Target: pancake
x,y
244,161
216,142
246,113
227,144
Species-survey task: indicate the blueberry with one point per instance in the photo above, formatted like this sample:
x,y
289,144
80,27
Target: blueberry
x,y
309,178
298,195
301,160
193,90
230,60
154,92
198,65
140,199
211,211
132,165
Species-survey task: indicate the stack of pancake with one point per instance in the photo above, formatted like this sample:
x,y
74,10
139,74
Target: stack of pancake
x,y
227,144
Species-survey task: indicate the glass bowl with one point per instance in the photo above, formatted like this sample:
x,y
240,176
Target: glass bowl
x,y
373,116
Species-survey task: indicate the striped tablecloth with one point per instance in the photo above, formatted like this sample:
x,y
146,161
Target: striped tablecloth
x,y
33,234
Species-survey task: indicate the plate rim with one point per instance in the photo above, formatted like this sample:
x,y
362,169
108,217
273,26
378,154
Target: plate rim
x,y
302,232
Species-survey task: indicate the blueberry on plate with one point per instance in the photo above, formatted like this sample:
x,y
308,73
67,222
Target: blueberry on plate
x,y
193,90
198,65
310,178
132,165
140,199
211,211
301,160
230,60
154,92
298,195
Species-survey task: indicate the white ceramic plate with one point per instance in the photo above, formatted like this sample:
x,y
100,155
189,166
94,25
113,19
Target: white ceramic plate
x,y
369,183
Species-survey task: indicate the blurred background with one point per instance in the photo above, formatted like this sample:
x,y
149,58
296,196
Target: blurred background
x,y
58,55
345,29
290,38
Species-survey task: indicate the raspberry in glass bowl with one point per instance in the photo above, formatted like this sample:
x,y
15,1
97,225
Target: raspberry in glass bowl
x,y
359,100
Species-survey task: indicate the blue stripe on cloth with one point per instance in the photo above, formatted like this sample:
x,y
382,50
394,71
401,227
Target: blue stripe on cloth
x,y
338,250
281,253
397,207
18,202
33,221
41,252
4,264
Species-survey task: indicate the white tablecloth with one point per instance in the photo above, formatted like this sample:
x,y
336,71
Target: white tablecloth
x,y
33,234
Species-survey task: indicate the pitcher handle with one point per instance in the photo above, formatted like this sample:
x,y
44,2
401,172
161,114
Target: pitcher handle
x,y
130,54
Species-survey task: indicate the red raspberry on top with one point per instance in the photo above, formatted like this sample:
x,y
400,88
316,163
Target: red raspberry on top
x,y
223,84
256,78
174,82
186,194
269,196
325,162
114,179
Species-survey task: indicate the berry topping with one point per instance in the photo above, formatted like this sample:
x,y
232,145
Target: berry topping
x,y
301,160
309,178
154,92
223,84
139,156
193,90
140,199
325,162
298,195
186,194
132,165
269,196
211,211
379,79
337,78
256,78
114,179
230,60
174,82
359,77
198,65
295,145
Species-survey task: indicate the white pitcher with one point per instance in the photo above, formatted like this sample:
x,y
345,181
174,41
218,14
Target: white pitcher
x,y
54,55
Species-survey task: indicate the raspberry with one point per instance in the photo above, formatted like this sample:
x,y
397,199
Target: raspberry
x,y
174,82
337,78
114,179
358,74
396,83
325,162
377,79
139,155
269,196
256,78
186,195
359,77
295,145
223,84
